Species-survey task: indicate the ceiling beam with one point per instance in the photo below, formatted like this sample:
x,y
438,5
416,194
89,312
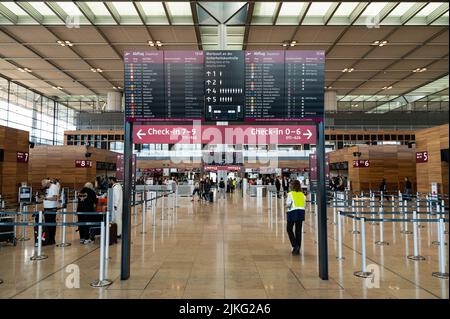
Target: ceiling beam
x,y
386,11
303,13
198,34
141,14
87,13
248,22
57,10
16,65
166,11
401,58
356,13
8,14
31,11
411,13
436,14
20,42
113,12
277,13
330,13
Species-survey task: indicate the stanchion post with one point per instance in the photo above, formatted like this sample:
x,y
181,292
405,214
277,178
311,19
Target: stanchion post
x,y
416,255
442,257
381,242
405,230
63,231
363,273
102,281
282,203
107,236
339,221
39,255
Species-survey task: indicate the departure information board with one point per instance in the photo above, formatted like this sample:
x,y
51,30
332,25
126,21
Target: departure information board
x,y
224,85
184,84
264,85
304,78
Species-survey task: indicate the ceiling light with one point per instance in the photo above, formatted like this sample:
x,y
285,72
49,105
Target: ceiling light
x,y
64,43
419,70
328,87
57,87
387,87
285,44
380,43
24,70
348,70
158,43
95,70
151,43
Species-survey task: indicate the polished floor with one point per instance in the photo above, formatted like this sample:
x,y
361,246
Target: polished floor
x,y
232,248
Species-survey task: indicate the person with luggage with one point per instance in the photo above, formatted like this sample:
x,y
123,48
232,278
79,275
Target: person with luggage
x,y
50,203
117,204
222,188
295,203
87,201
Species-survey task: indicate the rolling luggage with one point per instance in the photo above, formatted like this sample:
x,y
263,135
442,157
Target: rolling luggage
x,y
211,197
7,232
95,231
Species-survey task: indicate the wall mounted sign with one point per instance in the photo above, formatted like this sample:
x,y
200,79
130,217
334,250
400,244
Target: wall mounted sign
x,y
22,157
83,163
361,163
230,134
422,157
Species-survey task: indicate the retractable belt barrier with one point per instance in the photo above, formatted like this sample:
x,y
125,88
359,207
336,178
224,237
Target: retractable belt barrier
x,y
415,220
104,244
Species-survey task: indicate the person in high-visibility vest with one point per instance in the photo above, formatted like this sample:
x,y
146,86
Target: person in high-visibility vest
x,y
295,203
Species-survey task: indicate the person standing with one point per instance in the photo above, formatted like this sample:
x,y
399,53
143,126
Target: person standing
x,y
408,188
278,186
383,187
295,203
196,191
50,202
87,201
222,188
117,204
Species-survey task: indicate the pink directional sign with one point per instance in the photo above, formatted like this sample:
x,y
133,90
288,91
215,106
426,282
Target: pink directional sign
x,y
230,134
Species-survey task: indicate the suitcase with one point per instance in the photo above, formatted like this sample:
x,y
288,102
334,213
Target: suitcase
x,y
211,197
7,232
95,231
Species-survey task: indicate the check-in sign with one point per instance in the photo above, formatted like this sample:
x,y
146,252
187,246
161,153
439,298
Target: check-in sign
x,y
229,134
422,157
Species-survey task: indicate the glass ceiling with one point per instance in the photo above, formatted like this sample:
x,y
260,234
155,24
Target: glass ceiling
x,y
265,13
428,90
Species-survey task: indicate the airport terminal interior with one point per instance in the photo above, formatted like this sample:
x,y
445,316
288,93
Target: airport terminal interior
x,y
224,150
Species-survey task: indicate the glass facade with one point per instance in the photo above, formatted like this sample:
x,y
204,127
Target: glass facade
x,y
44,118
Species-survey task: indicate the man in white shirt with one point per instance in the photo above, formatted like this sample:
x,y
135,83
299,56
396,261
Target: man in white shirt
x,y
117,204
50,201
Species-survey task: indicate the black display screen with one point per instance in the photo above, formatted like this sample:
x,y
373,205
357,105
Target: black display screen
x,y
264,85
224,85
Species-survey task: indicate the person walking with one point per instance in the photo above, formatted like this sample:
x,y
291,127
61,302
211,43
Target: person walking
x,y
222,188
278,186
87,201
117,204
196,191
295,203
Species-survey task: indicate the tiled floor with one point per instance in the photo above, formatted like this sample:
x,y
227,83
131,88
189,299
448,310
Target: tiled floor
x,y
229,249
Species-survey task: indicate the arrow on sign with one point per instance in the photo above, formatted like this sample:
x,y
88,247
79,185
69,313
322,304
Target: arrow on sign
x,y
309,134
139,134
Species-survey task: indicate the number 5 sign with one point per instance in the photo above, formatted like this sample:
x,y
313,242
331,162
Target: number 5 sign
x,y
422,157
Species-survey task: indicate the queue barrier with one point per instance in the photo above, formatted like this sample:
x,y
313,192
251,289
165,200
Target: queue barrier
x,y
416,257
38,256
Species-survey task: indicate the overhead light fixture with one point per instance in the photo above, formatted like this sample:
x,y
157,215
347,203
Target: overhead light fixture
x,y
117,87
355,105
349,70
419,70
95,70
24,70
153,43
387,87
57,87
65,43
380,43
328,87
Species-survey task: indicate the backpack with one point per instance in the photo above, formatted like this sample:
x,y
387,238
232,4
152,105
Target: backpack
x,y
222,184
